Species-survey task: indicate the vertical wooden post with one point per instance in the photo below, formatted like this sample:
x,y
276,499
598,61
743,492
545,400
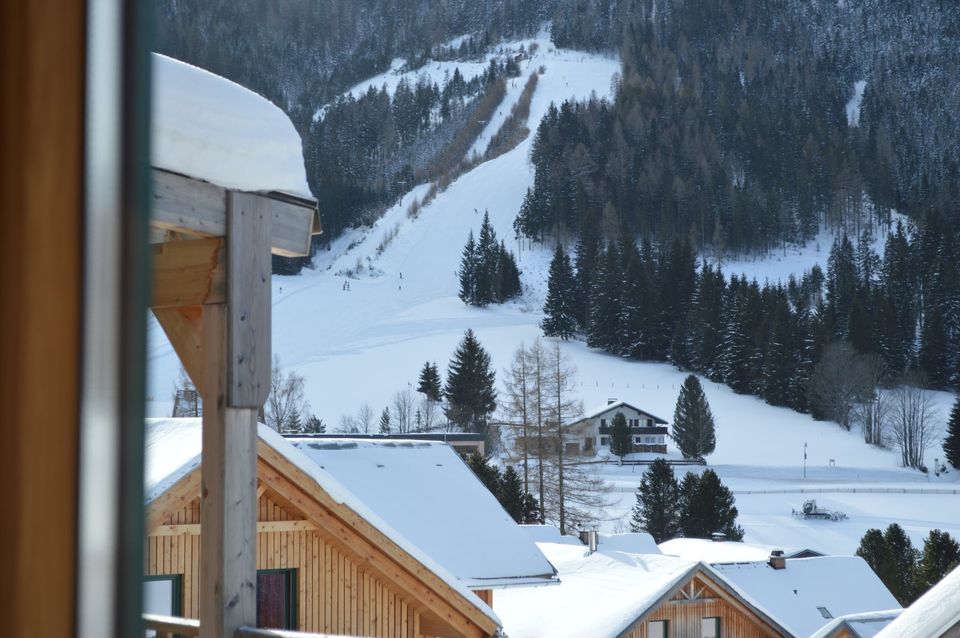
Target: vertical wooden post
x,y
236,373
227,494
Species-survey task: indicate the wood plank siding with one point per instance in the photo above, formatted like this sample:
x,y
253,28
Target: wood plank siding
x,y
697,600
358,603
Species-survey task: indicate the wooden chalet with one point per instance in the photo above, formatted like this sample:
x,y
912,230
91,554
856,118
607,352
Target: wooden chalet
x,y
622,594
324,561
648,433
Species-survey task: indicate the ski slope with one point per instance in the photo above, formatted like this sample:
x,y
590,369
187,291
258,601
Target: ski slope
x,y
363,345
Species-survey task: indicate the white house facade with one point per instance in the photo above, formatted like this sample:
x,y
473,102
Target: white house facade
x,y
648,431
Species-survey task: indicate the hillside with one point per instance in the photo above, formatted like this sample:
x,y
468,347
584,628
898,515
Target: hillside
x,y
362,345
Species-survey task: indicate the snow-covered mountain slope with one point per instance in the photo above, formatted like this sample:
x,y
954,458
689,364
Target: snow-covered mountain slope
x,y
360,346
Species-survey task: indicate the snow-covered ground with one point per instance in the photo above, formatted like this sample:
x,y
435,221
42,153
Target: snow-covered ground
x,y
360,346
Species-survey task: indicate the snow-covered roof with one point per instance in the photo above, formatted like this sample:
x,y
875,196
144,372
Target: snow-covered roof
x,y
173,450
600,594
633,542
609,407
712,552
809,592
549,534
865,625
931,615
424,490
210,128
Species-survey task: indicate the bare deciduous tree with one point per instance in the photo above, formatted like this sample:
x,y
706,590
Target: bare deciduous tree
x,y
429,412
365,419
286,405
515,405
403,403
914,422
839,382
563,409
873,410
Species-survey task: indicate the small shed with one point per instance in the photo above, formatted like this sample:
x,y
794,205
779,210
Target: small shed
x,y
325,560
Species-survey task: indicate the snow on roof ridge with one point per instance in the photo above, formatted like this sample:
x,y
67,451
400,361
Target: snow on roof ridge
x,y
619,404
932,614
336,490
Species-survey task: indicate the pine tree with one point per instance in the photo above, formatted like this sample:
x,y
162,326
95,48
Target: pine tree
x,y
934,349
508,275
707,506
488,473
903,563
621,442
874,550
470,388
603,326
559,310
941,554
488,254
313,425
951,443
657,510
429,382
385,421
468,272
693,425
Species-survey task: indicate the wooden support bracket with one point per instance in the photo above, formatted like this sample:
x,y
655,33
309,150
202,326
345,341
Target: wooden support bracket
x,y
183,327
189,273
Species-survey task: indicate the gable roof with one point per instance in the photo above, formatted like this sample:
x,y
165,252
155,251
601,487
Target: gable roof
x,y
416,485
599,411
931,615
606,593
865,625
792,596
173,455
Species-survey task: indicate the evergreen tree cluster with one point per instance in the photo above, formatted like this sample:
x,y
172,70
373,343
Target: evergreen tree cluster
x,y
507,487
951,442
696,507
656,304
488,271
907,572
735,122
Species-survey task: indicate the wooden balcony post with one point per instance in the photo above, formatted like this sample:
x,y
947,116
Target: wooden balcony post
x,y
236,373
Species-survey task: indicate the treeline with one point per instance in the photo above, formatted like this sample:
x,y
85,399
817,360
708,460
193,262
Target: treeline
x,y
863,323
733,122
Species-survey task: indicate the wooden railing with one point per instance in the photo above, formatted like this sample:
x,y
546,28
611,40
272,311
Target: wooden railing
x,y
169,626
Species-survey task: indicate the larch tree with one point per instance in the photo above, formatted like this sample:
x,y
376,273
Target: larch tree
x,y
470,388
518,384
559,310
693,424
657,510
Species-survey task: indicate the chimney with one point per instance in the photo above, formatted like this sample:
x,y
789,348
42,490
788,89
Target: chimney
x,y
611,401
589,538
777,559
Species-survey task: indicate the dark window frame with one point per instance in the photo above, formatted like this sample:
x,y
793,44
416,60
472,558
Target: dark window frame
x,y
177,593
290,591
719,625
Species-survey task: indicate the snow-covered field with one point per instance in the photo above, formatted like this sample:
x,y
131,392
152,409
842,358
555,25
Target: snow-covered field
x,y
360,346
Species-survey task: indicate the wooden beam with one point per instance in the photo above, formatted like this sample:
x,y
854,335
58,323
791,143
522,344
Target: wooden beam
x,y
248,300
227,495
184,328
199,209
268,527
188,273
177,497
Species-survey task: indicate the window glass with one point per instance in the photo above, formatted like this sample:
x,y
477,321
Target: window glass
x,y
710,628
276,599
657,629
